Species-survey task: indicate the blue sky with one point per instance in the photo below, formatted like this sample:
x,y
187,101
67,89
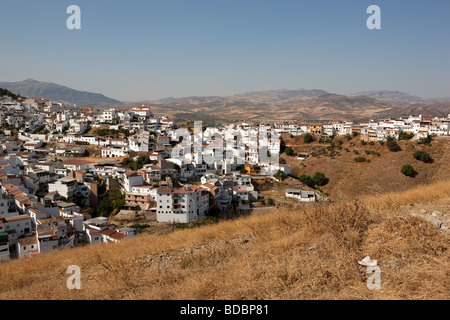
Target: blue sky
x,y
151,49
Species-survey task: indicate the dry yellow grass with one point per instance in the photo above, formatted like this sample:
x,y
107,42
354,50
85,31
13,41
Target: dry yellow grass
x,y
285,254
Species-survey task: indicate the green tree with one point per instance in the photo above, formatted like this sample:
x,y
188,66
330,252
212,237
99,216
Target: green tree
x,y
307,180
406,136
308,138
289,151
280,175
320,179
117,198
392,144
104,207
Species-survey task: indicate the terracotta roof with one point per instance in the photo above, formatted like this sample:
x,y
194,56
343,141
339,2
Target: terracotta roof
x,y
118,236
21,197
27,241
108,232
76,162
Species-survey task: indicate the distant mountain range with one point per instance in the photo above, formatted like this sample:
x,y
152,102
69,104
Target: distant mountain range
x,y
299,104
56,92
392,96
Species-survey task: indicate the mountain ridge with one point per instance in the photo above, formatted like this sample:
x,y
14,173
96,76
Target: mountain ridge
x,y
57,92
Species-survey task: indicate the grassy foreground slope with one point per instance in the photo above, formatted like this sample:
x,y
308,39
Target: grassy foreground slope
x,y
286,254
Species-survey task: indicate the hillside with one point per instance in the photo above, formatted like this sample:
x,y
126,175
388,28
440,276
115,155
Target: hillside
x,y
56,92
348,179
295,105
7,93
391,96
288,253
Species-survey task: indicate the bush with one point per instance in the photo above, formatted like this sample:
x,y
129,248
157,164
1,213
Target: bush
x,y
406,136
425,141
320,179
270,201
307,180
280,175
422,156
289,151
408,170
392,145
308,138
360,159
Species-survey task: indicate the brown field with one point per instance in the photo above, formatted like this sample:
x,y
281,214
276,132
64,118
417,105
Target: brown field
x,y
282,254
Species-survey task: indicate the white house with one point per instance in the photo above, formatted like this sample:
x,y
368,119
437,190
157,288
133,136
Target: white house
x,y
304,196
27,246
17,227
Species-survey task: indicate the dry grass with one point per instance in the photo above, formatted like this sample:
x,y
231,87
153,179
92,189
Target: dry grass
x,y
286,254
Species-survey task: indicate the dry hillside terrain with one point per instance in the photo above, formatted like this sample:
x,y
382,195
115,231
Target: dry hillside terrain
x,y
349,179
284,254
298,105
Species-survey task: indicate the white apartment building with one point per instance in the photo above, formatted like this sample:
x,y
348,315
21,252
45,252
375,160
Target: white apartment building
x,y
142,111
181,205
114,152
109,115
131,179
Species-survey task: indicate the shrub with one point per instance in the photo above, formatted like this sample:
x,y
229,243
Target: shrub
x,y
406,136
289,151
280,175
408,170
392,145
360,159
307,180
270,201
320,179
425,141
422,156
308,138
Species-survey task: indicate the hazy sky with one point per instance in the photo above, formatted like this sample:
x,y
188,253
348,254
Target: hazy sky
x,y
151,49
